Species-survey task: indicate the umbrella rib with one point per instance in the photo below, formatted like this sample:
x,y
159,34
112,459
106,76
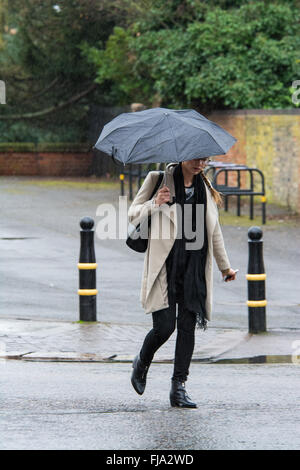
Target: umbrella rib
x,y
216,142
148,130
210,135
173,136
119,127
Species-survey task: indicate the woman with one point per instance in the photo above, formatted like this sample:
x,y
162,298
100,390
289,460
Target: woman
x,y
175,274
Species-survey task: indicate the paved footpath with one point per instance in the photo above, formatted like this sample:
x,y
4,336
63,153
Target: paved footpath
x,y
106,342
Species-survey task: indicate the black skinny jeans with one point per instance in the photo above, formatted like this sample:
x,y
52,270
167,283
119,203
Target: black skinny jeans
x,y
164,323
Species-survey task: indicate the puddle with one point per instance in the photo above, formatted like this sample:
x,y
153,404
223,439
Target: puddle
x,y
284,359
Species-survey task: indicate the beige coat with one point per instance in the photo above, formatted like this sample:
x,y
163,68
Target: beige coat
x,y
154,290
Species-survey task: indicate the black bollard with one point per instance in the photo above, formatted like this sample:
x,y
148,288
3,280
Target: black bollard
x,y
256,282
87,272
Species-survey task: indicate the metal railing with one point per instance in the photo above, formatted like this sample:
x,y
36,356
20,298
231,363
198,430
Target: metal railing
x,y
219,168
136,173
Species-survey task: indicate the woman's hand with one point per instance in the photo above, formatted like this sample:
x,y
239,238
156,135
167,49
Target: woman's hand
x,y
231,275
163,195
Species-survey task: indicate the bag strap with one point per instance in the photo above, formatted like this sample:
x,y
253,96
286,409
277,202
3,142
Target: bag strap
x,y
160,177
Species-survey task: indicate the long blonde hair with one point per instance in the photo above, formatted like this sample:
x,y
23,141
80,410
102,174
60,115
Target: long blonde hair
x,y
217,196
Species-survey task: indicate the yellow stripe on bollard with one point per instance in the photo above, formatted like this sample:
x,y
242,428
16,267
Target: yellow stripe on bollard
x,y
122,177
256,277
263,199
87,291
87,265
256,303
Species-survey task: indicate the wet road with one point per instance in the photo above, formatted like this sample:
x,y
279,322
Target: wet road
x,y
39,249
93,406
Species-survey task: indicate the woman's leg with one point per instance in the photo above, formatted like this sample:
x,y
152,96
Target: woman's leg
x,y
186,323
164,322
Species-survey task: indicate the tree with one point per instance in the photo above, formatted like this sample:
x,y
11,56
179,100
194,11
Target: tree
x,y
3,12
219,54
45,71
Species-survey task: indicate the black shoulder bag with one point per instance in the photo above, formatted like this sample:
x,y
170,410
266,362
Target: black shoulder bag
x,y
134,240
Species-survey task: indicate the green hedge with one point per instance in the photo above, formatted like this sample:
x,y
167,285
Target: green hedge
x,y
44,147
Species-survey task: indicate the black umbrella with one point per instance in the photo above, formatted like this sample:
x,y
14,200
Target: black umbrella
x,y
160,135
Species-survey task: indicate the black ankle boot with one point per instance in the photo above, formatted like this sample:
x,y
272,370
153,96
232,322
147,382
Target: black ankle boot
x,y
139,375
179,397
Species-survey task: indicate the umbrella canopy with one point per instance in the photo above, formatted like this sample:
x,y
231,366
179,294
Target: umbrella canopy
x,y
160,135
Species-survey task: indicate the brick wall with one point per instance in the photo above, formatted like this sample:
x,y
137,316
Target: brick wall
x,y
46,163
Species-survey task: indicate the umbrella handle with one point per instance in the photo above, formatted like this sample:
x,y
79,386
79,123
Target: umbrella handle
x,y
173,201
113,154
173,198
115,161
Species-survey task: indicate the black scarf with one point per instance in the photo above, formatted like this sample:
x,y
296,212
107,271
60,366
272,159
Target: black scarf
x,y
186,268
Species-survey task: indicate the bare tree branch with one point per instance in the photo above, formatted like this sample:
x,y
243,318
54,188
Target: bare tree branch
x,y
44,91
51,109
